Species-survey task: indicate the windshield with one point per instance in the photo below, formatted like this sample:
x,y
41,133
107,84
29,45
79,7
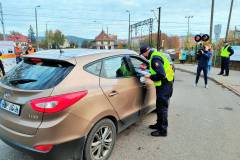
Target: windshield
x,y
37,75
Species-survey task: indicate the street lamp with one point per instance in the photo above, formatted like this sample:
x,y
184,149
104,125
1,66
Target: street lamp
x,y
188,17
129,28
37,27
47,34
188,34
2,21
159,36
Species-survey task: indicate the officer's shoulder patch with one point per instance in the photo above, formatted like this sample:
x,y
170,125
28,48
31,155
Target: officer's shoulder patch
x,y
156,64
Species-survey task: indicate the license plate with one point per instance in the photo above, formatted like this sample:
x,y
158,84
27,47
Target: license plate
x,y
10,107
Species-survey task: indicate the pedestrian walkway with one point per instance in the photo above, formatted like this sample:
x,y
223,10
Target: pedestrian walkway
x,y
231,82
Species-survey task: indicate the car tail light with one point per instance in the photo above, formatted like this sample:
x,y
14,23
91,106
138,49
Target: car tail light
x,y
36,60
44,148
57,103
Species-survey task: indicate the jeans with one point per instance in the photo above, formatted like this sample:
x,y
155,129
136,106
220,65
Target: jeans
x,y
18,59
205,72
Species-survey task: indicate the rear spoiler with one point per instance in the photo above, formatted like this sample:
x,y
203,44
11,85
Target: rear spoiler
x,y
69,62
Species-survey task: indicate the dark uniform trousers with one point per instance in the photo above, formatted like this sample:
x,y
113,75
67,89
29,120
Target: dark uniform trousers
x,y
224,65
163,93
2,67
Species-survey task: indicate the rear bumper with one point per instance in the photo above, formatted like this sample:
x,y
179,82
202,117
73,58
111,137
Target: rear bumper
x,y
63,151
66,139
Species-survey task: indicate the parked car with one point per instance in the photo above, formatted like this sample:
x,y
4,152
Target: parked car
x,y
170,60
71,105
172,53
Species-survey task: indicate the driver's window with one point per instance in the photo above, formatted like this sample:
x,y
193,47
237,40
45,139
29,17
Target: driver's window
x,y
138,63
115,67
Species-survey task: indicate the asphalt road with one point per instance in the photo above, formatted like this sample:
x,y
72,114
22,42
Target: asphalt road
x,y
203,125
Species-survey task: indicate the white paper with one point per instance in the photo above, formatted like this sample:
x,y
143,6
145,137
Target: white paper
x,y
146,72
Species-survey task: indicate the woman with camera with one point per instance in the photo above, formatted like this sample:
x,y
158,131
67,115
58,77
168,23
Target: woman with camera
x,y
203,56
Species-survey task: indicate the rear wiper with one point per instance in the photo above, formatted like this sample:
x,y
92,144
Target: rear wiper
x,y
22,81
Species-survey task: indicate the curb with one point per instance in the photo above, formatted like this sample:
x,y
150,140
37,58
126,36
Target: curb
x,y
214,80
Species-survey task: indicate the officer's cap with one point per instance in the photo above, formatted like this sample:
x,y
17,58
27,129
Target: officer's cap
x,y
144,49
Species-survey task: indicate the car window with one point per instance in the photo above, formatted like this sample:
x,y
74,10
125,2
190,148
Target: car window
x,y
37,74
115,67
137,62
94,68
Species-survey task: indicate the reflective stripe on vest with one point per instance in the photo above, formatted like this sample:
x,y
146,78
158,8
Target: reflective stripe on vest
x,y
167,68
224,52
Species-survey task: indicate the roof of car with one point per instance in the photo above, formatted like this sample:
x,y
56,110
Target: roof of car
x,y
67,54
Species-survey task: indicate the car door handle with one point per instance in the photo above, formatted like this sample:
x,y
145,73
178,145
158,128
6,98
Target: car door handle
x,y
113,93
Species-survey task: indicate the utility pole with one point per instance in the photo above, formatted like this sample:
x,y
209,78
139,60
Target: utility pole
x,y
229,20
159,37
2,21
47,36
188,33
188,17
211,21
36,27
129,28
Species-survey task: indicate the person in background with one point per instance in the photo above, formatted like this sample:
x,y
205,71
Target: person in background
x,y
184,56
203,56
1,64
18,53
210,59
180,56
30,49
226,53
192,54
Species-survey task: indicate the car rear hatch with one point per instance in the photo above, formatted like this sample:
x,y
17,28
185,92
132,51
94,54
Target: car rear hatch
x,y
32,79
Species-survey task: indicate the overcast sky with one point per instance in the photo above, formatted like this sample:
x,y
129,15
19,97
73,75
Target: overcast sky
x,y
86,19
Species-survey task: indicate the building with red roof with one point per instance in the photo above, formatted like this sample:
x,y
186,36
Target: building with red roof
x,y
18,39
105,41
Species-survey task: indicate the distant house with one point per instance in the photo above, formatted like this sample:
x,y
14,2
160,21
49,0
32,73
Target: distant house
x,y
18,39
105,41
66,44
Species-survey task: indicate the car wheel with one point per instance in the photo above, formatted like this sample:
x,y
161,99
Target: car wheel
x,y
100,141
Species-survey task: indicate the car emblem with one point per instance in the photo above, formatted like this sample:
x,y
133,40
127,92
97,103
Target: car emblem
x,y
7,95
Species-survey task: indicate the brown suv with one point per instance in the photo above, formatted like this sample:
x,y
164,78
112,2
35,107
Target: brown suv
x,y
70,104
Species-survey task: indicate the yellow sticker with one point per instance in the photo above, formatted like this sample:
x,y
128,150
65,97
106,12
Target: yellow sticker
x,y
156,64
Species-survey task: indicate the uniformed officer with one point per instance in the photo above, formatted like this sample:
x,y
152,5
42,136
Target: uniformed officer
x,y
18,52
226,53
1,65
162,75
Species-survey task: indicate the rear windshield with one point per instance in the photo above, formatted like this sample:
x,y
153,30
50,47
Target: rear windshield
x,y
37,74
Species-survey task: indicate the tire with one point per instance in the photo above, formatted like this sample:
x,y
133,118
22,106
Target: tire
x,y
103,130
